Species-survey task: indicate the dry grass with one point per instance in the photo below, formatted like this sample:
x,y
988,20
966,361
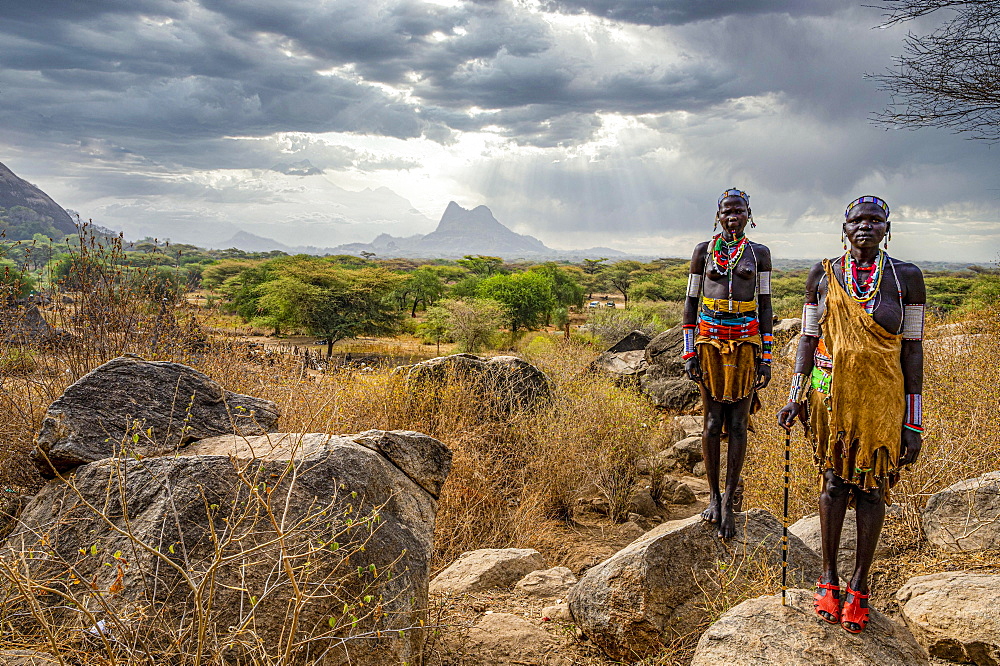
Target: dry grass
x,y
514,473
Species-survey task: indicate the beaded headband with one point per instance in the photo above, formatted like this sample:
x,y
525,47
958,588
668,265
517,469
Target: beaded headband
x,y
868,199
733,192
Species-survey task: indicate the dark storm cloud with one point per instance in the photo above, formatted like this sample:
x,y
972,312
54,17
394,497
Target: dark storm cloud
x,y
680,12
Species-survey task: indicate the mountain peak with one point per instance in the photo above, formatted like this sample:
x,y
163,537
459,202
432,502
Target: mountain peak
x,y
16,192
462,231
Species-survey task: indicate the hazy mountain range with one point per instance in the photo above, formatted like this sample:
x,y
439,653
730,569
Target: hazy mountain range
x,y
458,233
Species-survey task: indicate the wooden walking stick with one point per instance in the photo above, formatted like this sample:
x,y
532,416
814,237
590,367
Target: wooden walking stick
x,y
784,519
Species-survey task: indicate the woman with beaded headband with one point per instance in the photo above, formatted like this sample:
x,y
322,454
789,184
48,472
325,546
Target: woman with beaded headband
x,y
857,388
727,344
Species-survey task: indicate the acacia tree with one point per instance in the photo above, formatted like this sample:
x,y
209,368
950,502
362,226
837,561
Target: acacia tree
x,y
424,285
620,275
950,77
357,303
526,297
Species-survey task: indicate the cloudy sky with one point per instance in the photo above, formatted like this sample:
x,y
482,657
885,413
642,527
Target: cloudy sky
x,y
580,122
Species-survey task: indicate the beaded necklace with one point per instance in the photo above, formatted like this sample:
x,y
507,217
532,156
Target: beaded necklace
x,y
726,254
865,290
726,257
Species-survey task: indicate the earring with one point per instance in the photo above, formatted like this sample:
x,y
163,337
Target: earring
x,y
843,240
753,225
888,237
715,225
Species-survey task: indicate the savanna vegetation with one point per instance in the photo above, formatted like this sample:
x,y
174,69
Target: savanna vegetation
x,y
517,478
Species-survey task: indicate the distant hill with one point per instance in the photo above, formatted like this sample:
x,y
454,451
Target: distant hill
x,y
252,243
459,232
25,210
475,231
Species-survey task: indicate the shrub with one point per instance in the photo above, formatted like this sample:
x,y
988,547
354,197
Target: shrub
x,y
611,325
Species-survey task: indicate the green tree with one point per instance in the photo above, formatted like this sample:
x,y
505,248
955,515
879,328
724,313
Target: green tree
x,y
658,287
621,275
213,276
527,298
481,265
357,303
424,285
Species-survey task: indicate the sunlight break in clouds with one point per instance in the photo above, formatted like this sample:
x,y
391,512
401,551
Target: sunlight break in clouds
x,y
580,122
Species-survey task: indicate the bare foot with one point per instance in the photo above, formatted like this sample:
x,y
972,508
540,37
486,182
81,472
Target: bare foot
x,y
727,526
711,513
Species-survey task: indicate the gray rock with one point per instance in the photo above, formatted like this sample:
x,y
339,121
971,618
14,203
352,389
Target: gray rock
x,y
655,587
761,632
808,529
631,530
634,341
642,503
506,639
678,492
147,407
688,452
623,366
699,469
551,583
420,457
26,325
687,425
965,516
955,615
506,383
363,526
791,348
486,569
791,326
664,381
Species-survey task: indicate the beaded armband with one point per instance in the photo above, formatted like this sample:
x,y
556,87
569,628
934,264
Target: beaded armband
x,y
914,417
913,322
764,282
800,383
694,285
810,319
767,342
688,342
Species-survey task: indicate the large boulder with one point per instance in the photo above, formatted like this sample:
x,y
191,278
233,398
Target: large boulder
x,y
954,615
761,632
227,530
965,516
664,380
485,569
656,587
503,383
146,408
